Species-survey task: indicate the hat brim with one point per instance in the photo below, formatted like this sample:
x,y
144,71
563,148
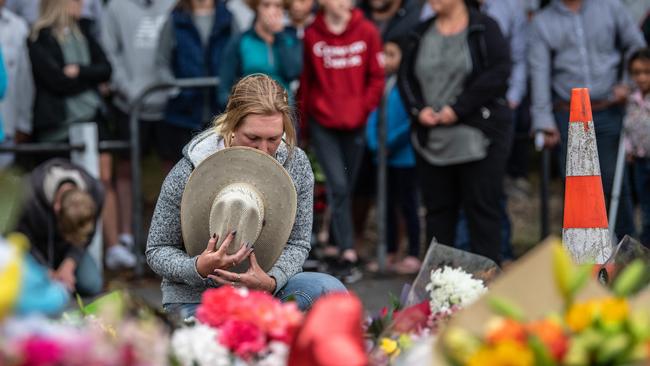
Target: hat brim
x,y
240,165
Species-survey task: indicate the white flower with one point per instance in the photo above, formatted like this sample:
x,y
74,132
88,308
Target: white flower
x,y
198,345
453,286
277,356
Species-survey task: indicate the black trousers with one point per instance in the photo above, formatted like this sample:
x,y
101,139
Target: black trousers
x,y
474,186
403,198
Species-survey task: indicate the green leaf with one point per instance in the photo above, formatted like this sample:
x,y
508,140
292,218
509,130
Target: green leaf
x,y
505,308
630,280
114,299
542,355
395,303
579,278
615,347
80,303
563,273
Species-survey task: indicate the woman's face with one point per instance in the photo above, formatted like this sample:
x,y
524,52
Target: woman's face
x,y
300,9
74,8
261,132
339,8
443,6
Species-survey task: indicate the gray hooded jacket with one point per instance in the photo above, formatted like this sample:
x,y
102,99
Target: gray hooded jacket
x,y
165,251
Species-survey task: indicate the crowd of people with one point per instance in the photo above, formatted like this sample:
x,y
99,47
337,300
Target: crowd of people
x,y
466,83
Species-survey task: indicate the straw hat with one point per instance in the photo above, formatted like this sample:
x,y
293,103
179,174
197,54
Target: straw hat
x,y
241,189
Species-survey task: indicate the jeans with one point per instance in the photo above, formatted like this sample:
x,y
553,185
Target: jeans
x,y
339,153
642,184
88,276
304,288
608,125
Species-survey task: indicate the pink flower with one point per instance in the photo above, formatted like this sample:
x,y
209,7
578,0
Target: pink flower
x,y
244,339
274,319
40,351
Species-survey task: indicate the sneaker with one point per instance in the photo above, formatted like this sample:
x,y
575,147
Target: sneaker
x,y
346,271
118,256
127,240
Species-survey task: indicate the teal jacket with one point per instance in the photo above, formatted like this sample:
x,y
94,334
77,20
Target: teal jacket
x,y
249,54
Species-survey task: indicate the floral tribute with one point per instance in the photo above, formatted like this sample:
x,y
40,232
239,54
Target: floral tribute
x,y
450,290
600,330
238,327
104,339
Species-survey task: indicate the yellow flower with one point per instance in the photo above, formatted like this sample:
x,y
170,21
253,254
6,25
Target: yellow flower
x,y
613,310
388,346
506,353
581,315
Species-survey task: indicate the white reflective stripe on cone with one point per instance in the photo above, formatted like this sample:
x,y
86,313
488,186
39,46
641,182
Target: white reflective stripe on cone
x,y
588,245
582,151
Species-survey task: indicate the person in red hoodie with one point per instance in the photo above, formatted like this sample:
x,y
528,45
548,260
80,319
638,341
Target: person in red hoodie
x,y
342,81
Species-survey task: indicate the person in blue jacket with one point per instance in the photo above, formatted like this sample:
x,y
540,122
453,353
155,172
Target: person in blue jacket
x,y
191,44
267,48
402,180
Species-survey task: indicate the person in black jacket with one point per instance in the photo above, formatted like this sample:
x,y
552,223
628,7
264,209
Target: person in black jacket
x,y
58,217
68,67
453,80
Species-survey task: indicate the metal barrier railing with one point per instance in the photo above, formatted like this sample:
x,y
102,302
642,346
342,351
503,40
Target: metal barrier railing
x,y
117,145
54,147
136,173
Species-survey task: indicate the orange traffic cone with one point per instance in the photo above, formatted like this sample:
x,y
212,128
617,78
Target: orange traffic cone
x,y
585,232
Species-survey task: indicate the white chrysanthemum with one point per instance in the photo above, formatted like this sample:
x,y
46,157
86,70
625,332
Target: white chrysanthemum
x,y
198,345
278,355
453,286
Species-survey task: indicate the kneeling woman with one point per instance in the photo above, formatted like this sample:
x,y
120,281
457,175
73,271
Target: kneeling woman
x,y
257,116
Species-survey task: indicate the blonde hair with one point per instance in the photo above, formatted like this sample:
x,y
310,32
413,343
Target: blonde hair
x,y
76,220
256,94
54,14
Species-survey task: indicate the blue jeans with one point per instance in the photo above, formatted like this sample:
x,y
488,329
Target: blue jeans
x,y
608,124
339,153
304,288
88,276
642,184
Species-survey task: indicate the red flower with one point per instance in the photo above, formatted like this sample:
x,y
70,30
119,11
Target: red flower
x,y
274,319
552,336
244,339
40,351
413,318
507,329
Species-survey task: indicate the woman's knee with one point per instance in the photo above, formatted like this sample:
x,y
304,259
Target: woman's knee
x,y
306,287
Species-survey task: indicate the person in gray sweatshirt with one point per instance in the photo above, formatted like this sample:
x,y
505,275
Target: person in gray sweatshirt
x,y
129,35
260,118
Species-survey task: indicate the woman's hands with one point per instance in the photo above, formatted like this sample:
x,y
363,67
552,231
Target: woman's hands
x,y
428,117
71,71
211,260
255,278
